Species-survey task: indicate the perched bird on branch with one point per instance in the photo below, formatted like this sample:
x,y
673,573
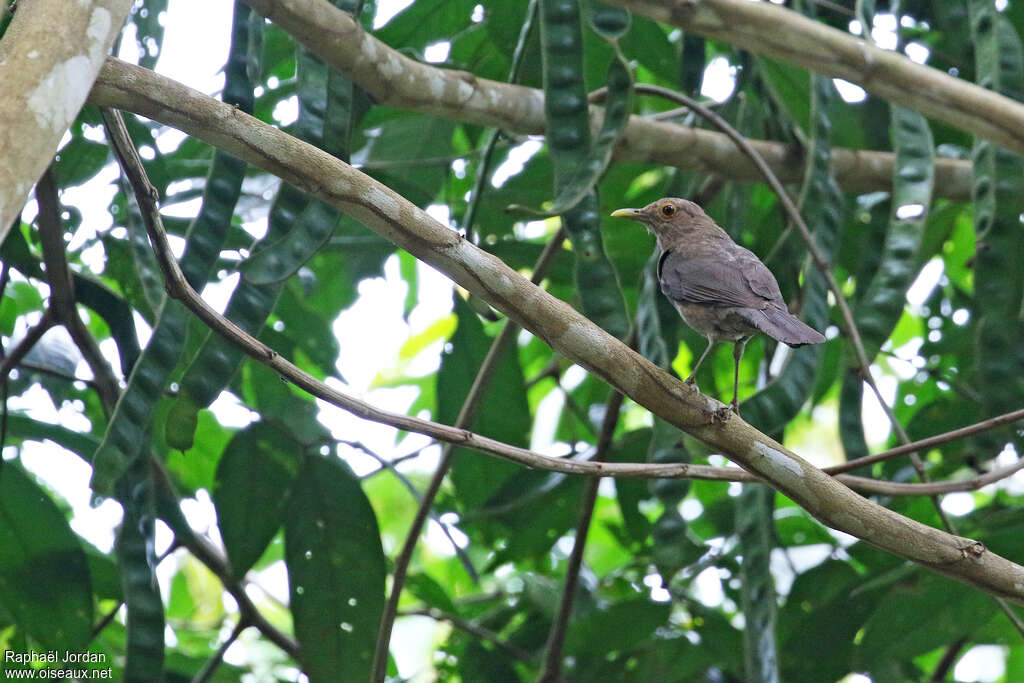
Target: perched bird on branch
x,y
719,288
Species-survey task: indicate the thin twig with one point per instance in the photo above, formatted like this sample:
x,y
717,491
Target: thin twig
x,y
25,344
552,671
930,442
389,466
930,488
62,289
204,551
948,659
105,621
218,657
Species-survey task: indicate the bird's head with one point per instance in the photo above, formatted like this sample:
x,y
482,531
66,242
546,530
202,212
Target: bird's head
x,y
671,219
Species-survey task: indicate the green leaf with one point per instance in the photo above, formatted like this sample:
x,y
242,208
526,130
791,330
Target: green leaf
x,y
254,477
602,631
790,86
818,624
918,616
407,151
44,575
106,583
479,664
336,571
180,425
23,428
79,160
503,413
432,593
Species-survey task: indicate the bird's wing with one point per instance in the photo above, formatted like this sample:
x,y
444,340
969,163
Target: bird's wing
x,y
760,279
741,281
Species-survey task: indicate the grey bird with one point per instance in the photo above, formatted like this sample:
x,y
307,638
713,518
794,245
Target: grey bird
x,y
720,289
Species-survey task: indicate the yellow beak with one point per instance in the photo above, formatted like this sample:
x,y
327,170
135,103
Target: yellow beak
x,y
627,213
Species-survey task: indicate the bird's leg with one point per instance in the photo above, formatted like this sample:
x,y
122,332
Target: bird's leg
x,y
693,375
737,354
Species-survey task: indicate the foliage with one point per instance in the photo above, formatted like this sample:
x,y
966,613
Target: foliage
x,y
260,486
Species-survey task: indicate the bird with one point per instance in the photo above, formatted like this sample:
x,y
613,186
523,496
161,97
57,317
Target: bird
x,y
720,289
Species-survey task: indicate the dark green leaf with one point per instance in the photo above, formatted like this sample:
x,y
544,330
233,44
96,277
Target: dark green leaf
x,y
254,477
44,576
336,571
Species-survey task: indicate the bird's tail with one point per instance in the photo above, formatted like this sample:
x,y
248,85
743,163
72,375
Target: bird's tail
x,y
779,324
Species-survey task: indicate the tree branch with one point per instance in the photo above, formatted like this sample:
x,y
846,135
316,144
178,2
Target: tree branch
x,y
393,79
931,441
49,56
773,31
62,290
563,328
25,344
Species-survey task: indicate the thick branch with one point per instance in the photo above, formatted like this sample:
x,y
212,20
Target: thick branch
x,y
767,29
49,56
393,79
563,328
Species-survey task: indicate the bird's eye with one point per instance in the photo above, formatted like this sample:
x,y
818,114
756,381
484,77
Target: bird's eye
x,y
668,210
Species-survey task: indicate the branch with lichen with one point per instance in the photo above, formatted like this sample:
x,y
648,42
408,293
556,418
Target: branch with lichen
x,y
394,79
